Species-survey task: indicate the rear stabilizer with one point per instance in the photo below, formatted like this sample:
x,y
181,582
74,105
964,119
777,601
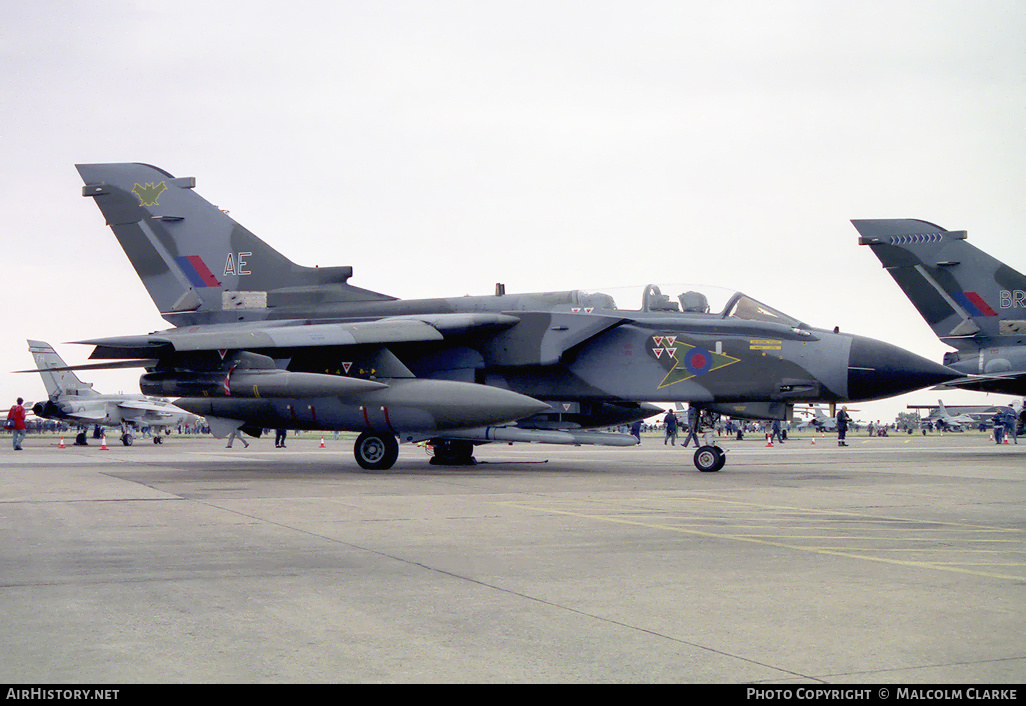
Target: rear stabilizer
x,y
197,263
969,298
60,383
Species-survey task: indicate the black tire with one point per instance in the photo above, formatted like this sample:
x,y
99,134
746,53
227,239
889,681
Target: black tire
x,y
723,458
376,452
709,459
451,452
126,439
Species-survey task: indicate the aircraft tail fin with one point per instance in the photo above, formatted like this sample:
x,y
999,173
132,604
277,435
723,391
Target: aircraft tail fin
x,y
59,384
969,298
197,263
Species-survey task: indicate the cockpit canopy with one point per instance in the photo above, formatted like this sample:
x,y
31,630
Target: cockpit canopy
x,y
711,301
690,301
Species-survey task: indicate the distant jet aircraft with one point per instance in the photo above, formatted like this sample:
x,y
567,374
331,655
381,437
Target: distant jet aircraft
x,y
972,301
820,421
261,342
77,402
969,415
947,421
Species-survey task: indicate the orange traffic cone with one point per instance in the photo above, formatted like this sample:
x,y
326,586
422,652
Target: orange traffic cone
x,y
813,441
61,445
103,443
769,441
322,443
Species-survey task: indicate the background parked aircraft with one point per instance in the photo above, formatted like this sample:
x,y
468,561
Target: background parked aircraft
x,y
76,402
945,420
972,301
819,420
967,416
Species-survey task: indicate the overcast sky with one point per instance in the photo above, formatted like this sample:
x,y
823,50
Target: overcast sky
x,y
441,147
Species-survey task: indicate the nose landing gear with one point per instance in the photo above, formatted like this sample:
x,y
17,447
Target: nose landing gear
x,y
709,459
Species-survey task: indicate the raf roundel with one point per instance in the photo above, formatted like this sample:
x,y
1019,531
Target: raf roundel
x,y
698,360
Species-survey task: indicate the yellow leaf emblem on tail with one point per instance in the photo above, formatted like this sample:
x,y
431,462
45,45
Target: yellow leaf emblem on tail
x,y
148,194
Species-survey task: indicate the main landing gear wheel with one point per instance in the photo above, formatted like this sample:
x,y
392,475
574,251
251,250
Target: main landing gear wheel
x,y
127,439
452,452
376,452
709,459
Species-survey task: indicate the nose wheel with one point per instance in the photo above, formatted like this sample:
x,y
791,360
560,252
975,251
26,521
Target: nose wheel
x,y
710,459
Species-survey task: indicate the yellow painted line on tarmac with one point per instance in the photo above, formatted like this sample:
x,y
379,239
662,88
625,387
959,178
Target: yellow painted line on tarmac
x,y
929,549
846,553
937,526
898,539
842,513
975,563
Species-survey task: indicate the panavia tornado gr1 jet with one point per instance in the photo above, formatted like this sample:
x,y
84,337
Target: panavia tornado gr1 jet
x,y
260,342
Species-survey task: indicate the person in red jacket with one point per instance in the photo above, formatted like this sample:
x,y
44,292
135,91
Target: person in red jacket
x,y
17,416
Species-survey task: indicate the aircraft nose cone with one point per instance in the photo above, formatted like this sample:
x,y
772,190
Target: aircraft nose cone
x,y
877,370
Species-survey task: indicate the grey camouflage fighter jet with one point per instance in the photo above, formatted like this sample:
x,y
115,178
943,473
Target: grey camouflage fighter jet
x,y
819,421
260,342
972,301
946,421
74,401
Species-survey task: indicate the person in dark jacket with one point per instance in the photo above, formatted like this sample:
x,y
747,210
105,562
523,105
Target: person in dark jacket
x,y
636,430
693,422
1010,419
842,426
670,427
